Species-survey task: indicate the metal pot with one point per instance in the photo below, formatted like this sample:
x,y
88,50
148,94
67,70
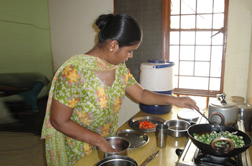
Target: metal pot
x,y
245,114
119,143
228,110
117,160
177,128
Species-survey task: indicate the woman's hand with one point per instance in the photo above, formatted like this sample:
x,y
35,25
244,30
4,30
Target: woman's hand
x,y
185,102
106,147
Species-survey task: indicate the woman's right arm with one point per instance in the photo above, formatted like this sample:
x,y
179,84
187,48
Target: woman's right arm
x,y
60,120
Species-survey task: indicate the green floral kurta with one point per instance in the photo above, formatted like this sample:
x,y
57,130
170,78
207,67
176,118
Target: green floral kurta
x,y
95,104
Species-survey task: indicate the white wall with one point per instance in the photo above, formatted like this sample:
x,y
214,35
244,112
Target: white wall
x,y
249,89
71,24
248,6
238,49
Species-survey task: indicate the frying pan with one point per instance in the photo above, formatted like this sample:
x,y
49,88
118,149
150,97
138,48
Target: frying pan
x,y
211,148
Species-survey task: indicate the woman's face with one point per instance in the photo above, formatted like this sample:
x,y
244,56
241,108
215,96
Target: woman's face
x,y
124,53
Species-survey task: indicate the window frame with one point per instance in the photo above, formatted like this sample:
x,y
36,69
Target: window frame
x,y
165,51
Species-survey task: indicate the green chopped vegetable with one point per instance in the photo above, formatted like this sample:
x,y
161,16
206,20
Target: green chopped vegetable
x,y
209,137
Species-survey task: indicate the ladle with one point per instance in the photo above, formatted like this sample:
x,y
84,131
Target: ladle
x,y
213,123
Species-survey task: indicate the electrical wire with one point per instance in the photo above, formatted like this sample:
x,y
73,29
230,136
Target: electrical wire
x,y
14,22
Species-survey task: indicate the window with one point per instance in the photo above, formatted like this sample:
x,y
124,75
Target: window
x,y
194,37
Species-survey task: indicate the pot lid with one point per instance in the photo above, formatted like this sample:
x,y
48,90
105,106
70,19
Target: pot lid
x,y
223,105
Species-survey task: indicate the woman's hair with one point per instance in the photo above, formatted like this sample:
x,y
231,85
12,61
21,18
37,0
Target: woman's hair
x,y
121,27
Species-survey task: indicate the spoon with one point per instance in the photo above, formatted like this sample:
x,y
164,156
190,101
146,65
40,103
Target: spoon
x,y
213,123
203,115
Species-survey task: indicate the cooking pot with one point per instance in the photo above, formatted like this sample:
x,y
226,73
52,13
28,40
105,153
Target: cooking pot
x,y
117,160
211,148
177,128
245,114
227,109
119,143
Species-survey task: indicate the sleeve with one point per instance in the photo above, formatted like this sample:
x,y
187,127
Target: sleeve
x,y
131,80
67,86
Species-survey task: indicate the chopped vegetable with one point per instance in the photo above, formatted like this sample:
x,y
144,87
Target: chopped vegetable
x,y
146,125
208,137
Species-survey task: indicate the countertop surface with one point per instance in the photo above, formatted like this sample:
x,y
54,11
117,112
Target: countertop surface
x,y
166,156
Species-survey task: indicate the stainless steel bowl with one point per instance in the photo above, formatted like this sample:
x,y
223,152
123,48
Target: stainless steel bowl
x,y
177,128
136,138
117,160
120,144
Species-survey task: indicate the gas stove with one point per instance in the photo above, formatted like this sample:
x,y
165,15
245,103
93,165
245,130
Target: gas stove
x,y
192,156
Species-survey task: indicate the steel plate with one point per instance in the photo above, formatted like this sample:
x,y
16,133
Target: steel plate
x,y
188,115
136,138
134,122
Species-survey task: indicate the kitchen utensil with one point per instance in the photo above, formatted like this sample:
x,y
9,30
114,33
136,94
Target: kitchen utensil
x,y
211,115
228,109
136,138
120,144
220,151
134,122
245,114
203,115
188,115
117,160
161,135
151,157
177,128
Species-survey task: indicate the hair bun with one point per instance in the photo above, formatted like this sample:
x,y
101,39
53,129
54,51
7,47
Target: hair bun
x,y
103,20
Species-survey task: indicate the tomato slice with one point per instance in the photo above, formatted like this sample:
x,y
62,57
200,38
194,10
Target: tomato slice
x,y
146,125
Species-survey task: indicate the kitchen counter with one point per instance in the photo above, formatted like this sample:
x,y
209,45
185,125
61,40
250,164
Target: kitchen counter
x,y
166,156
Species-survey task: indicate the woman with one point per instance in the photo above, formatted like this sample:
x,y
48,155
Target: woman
x,y
87,92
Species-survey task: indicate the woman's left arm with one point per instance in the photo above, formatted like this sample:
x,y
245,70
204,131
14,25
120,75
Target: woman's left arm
x,y
138,93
